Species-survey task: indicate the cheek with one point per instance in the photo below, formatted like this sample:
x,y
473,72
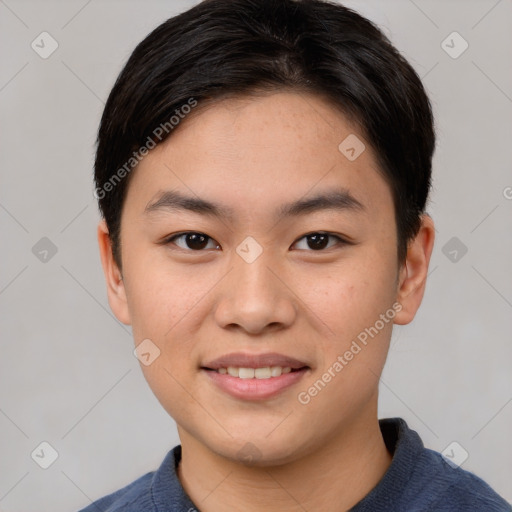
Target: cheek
x,y
164,306
351,302
352,295
169,382
160,296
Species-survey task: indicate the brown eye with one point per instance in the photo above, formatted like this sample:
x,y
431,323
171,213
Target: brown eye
x,y
193,241
319,241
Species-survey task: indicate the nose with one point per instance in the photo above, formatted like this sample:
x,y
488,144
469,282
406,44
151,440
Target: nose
x,y
255,299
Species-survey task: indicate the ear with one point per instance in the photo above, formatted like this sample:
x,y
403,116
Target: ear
x,y
413,274
113,277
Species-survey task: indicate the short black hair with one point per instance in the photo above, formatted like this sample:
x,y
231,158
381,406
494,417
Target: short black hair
x,y
230,48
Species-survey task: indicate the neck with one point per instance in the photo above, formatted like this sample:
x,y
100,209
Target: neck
x,y
332,478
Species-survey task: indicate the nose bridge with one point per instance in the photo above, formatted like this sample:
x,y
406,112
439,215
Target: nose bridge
x,y
251,263
254,282
254,297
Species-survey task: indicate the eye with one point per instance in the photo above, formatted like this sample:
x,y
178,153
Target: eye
x,y
319,241
192,241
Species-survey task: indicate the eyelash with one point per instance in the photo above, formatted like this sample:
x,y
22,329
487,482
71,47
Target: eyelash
x,y
341,241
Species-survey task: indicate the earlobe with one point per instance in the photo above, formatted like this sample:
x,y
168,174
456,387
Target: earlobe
x,y
114,280
413,274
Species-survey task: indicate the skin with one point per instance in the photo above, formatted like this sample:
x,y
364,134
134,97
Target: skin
x,y
254,154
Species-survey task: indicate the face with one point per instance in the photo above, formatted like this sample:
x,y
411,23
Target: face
x,y
283,263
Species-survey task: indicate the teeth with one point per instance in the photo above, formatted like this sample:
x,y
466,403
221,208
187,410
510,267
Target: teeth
x,y
246,373
259,373
276,371
233,371
263,373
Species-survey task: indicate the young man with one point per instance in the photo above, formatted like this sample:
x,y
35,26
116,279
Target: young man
x,y
263,168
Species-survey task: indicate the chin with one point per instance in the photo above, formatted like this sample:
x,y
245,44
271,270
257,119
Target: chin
x,y
258,450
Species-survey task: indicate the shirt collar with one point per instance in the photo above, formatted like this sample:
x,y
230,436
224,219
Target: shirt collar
x,y
403,443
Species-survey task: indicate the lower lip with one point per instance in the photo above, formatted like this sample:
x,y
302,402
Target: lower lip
x,y
255,389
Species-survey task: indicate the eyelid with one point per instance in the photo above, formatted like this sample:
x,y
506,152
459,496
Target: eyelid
x,y
170,239
341,240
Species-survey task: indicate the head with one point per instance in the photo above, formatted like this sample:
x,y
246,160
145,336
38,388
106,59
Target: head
x,y
262,170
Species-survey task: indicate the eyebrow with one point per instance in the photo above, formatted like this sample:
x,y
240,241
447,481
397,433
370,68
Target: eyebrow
x,y
339,200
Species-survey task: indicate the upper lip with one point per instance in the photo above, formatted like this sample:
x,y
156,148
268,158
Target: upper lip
x,y
244,360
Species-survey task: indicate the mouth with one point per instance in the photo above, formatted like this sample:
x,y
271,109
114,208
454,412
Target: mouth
x,y
254,377
265,372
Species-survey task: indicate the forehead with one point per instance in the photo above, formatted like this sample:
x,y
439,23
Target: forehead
x,y
251,152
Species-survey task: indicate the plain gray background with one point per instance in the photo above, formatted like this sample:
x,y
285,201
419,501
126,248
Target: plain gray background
x,y
67,372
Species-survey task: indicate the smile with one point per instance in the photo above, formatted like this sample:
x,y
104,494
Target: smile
x,y
248,387
266,372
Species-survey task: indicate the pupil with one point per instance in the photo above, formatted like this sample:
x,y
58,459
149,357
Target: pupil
x,y
196,241
317,241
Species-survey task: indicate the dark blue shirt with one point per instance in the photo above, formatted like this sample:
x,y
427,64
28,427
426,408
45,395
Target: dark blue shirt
x,y
418,480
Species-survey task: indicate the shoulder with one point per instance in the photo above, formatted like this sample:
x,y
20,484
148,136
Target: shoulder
x,y
155,491
423,480
455,489
133,497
